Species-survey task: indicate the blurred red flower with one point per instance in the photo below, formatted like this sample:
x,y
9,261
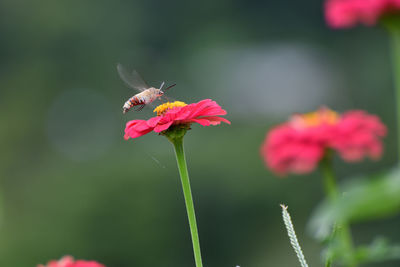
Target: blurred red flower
x,y
357,135
347,13
205,112
68,261
300,144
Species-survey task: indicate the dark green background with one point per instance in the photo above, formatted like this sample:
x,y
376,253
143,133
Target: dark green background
x,y
70,183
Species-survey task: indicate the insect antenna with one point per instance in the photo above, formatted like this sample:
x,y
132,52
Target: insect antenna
x,y
162,84
169,87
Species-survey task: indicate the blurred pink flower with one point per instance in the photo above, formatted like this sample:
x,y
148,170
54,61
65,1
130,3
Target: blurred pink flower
x,y
347,13
298,145
358,135
205,112
68,261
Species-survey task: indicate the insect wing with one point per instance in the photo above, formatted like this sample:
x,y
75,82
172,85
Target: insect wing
x,y
133,79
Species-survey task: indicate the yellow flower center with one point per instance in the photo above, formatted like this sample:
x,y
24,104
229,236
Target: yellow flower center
x,y
161,109
311,119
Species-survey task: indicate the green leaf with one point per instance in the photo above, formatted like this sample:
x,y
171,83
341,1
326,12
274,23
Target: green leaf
x,y
362,199
379,250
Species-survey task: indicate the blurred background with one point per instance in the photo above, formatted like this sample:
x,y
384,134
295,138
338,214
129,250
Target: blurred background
x,y
70,183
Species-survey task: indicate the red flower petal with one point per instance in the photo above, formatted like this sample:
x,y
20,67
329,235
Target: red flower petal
x,y
206,121
347,13
162,127
205,112
291,148
68,261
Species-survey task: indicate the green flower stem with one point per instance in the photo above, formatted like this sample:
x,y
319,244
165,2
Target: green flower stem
x,y
329,179
395,46
180,158
343,228
328,263
392,24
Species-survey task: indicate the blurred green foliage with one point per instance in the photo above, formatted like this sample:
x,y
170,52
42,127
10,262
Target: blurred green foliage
x,y
122,207
363,199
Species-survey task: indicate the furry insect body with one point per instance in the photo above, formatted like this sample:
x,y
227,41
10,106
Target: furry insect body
x,y
143,98
147,94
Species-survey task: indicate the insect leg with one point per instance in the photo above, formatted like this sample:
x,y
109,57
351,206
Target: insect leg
x,y
140,108
166,97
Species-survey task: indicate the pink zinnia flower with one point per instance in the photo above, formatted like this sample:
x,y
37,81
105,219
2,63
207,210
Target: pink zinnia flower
x,y
300,144
358,135
347,13
205,112
68,261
